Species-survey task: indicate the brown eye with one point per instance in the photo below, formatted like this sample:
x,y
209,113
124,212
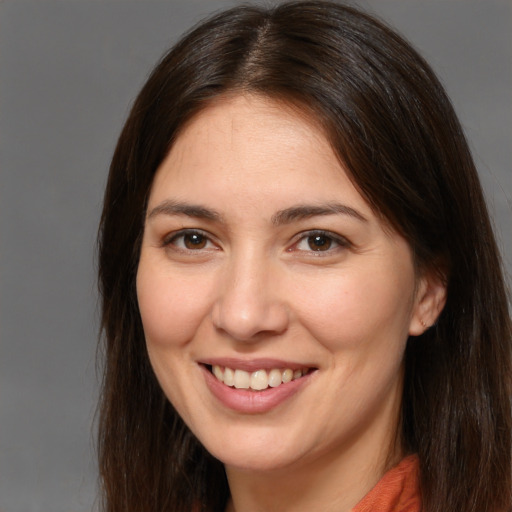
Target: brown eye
x,y
194,241
319,242
189,240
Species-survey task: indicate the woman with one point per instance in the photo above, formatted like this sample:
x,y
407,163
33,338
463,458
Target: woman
x,y
303,306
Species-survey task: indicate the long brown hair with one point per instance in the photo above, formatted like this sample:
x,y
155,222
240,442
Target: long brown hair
x,y
392,125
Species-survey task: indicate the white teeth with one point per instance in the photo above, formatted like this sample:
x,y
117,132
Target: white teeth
x,y
287,375
242,379
229,377
258,380
217,372
274,378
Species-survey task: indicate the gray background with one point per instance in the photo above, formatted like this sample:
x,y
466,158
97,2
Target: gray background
x,y
68,72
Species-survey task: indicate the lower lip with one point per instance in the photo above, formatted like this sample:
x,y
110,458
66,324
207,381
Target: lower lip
x,y
252,402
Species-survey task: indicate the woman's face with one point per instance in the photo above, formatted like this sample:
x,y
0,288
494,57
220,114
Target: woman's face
x,y
276,305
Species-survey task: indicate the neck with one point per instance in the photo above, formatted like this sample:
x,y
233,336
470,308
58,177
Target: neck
x,y
324,483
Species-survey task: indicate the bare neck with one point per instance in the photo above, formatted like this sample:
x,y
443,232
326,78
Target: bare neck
x,y
326,482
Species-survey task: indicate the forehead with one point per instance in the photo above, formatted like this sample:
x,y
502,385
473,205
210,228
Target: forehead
x,y
235,121
244,142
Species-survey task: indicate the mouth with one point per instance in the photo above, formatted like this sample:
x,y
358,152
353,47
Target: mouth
x,y
256,386
258,380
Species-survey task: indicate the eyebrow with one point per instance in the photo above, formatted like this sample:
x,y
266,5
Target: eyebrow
x,y
302,212
170,207
282,217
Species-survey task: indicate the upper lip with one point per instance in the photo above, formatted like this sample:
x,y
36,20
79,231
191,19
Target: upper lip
x,y
251,365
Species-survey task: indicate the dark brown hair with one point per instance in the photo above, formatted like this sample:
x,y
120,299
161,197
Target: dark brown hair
x,y
393,127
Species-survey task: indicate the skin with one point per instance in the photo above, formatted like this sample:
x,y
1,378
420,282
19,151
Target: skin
x,y
254,287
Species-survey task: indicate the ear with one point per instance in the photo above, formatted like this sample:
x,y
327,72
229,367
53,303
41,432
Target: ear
x,y
429,301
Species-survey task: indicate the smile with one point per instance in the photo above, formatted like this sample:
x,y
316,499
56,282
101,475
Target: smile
x,y
257,386
258,380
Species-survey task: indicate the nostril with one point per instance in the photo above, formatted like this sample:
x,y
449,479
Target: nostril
x,y
248,315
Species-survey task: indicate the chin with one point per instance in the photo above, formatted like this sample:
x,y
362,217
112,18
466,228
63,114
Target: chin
x,y
263,454
256,462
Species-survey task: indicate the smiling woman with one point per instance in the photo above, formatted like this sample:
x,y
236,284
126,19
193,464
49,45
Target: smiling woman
x,y
272,288
302,302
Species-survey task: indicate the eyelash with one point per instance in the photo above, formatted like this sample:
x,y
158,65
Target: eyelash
x,y
304,237
339,241
171,240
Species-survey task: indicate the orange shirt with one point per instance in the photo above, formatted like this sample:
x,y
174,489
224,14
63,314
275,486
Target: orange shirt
x,y
397,491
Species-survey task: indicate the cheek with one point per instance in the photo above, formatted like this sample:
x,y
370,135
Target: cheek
x,y
170,308
171,311
358,308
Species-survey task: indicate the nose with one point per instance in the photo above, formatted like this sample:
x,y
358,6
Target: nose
x,y
250,304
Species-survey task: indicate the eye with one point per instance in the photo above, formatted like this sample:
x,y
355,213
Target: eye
x,y
189,240
320,241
